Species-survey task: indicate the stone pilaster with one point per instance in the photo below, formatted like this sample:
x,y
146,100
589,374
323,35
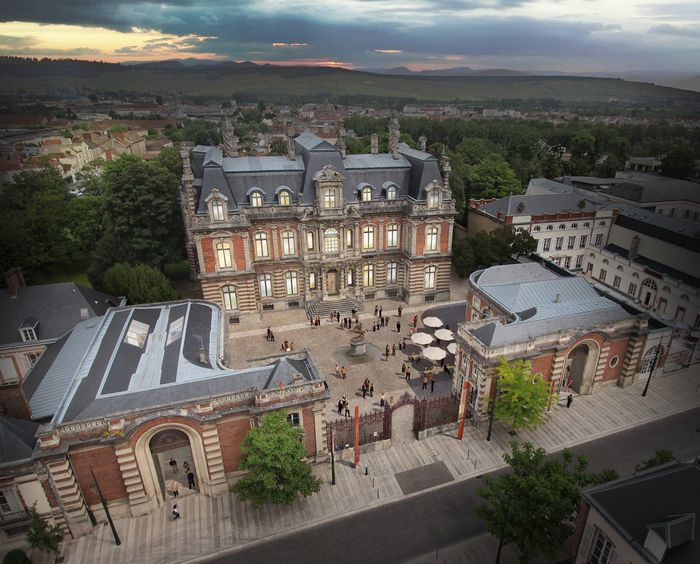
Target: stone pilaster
x,y
629,365
600,367
246,251
215,464
320,432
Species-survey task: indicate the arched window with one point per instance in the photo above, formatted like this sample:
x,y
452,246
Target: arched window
x,y
223,255
430,274
284,198
330,240
367,194
217,210
536,228
562,226
289,246
549,227
368,237
434,199
265,285
256,199
262,248
349,238
290,283
391,193
350,277
312,280
574,226
392,235
650,359
368,275
230,297
586,224
391,270
310,244
431,239
620,267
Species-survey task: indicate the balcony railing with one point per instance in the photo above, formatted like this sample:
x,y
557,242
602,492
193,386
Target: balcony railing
x,y
13,517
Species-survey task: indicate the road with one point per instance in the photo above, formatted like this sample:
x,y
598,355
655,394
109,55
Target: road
x,y
399,531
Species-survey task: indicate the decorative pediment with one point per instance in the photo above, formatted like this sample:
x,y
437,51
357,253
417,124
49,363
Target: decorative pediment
x,y
215,194
328,174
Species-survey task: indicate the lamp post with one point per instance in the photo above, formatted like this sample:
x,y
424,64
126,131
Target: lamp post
x,y
493,410
333,458
654,362
104,505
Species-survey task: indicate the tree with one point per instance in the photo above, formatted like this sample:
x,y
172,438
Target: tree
x,y
661,456
278,147
521,398
140,284
273,456
523,244
43,536
678,162
535,505
36,225
492,178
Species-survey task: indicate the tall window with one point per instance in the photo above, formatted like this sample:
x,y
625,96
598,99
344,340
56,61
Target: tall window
x,y
350,277
603,274
288,243
582,241
546,244
329,198
391,270
392,235
290,283
601,549
230,297
632,290
616,282
310,246
433,199
579,261
284,198
223,255
567,262
367,194
431,238
429,280
571,242
330,240
349,238
217,210
368,237
312,280
266,285
391,193
368,275
256,199
262,249
559,243
598,240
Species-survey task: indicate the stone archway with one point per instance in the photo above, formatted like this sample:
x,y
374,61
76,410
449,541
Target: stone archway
x,y
580,367
152,476
171,445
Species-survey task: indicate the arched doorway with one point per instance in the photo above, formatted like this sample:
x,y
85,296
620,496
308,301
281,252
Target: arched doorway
x,y
580,367
648,294
651,359
172,445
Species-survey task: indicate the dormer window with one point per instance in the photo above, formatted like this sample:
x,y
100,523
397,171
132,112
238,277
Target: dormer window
x,y
329,200
256,199
28,334
217,210
284,198
391,193
367,194
433,199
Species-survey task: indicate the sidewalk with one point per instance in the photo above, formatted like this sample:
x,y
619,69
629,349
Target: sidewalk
x,y
212,524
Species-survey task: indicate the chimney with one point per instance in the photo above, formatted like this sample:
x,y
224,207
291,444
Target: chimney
x,y
423,140
394,137
341,141
446,169
15,280
291,148
374,144
634,248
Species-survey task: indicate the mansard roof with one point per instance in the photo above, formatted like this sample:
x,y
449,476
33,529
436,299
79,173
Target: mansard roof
x,y
234,177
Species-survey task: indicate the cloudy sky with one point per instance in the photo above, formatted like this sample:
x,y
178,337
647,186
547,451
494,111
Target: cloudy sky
x,y
568,35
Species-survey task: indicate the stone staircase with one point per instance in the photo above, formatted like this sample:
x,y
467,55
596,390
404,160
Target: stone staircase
x,y
323,309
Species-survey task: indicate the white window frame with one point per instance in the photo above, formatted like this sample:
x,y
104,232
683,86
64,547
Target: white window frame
x,y
331,242
368,272
284,198
433,199
224,256
391,193
28,334
262,245
432,235
349,238
310,241
430,277
392,270
256,199
582,241
392,235
366,194
289,243
217,210
329,198
312,280
368,239
229,297
579,261
291,283
265,284
350,277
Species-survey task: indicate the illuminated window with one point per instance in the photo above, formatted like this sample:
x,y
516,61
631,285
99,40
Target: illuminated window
x,y
329,198
230,297
288,243
217,210
391,270
310,245
262,249
368,237
367,194
290,283
431,238
391,193
284,198
349,238
429,277
368,275
350,277
266,285
433,199
223,255
312,281
256,199
392,235
330,241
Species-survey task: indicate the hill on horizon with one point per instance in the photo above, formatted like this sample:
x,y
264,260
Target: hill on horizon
x,y
229,78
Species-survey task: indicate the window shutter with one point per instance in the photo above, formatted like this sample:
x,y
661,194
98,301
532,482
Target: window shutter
x,y
585,541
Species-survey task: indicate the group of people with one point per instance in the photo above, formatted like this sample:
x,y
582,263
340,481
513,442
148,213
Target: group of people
x,y
287,346
343,406
340,371
367,388
174,485
270,335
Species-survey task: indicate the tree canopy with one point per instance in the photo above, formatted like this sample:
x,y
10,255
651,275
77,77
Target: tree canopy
x,y
521,398
535,504
43,536
482,250
140,284
273,455
492,177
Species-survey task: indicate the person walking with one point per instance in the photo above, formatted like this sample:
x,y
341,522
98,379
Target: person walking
x,y
393,349
386,353
398,326
403,369
408,374
381,401
337,370
432,385
376,311
380,311
371,389
415,321
425,382
400,310
173,464
340,407
344,372
176,512
364,391
190,480
569,399
347,409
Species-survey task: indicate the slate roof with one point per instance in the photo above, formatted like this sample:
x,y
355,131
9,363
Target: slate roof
x,y
635,505
17,440
56,307
540,303
236,177
641,187
538,204
143,357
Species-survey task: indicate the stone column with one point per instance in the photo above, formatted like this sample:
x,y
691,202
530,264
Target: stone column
x,y
320,433
246,251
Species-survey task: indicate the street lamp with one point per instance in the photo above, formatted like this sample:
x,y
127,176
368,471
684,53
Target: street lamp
x,y
654,362
493,409
104,505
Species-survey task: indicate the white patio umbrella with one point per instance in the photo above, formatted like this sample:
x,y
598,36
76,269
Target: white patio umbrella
x,y
444,335
421,338
452,348
434,353
432,322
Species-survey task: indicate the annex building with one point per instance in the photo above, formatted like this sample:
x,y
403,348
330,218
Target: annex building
x,y
277,232
126,392
575,337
